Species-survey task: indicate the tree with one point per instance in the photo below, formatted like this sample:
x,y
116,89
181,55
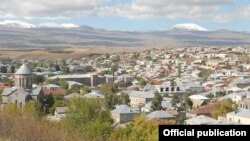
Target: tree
x,y
32,109
66,70
114,68
37,79
111,100
1,91
88,117
63,63
9,83
123,99
89,68
53,101
210,96
142,82
3,69
175,100
205,73
85,90
63,83
172,83
148,58
57,68
179,70
107,55
74,89
156,102
12,69
222,107
108,89
141,129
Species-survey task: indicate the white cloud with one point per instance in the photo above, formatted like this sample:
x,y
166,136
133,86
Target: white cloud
x,y
139,9
48,8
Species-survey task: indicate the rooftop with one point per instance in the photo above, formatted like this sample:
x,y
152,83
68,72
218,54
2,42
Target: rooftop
x,y
24,69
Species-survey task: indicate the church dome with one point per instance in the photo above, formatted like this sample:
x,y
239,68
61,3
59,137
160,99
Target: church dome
x,y
24,69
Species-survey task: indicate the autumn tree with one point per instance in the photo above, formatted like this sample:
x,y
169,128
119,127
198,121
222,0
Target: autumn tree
x,y
222,107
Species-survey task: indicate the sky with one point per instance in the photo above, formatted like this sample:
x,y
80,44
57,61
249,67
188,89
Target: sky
x,y
131,14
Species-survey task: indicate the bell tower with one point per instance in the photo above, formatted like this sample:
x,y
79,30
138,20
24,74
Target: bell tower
x,y
23,77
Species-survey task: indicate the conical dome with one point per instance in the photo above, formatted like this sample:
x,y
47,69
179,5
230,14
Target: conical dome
x,y
24,69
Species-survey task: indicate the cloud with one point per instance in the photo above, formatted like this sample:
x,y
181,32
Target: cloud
x,y
48,8
169,9
210,10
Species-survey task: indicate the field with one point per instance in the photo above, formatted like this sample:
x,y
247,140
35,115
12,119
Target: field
x,y
47,54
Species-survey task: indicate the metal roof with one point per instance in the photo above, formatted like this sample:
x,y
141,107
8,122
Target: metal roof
x,y
24,69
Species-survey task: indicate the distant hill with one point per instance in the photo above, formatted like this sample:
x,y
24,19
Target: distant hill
x,y
49,36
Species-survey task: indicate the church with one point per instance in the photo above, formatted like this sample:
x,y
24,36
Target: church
x,y
23,91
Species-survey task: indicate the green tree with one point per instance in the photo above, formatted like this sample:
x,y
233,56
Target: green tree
x,y
57,68
74,89
111,100
123,99
9,83
114,68
88,117
89,69
148,58
63,83
32,109
175,100
63,63
53,101
108,89
141,129
37,79
156,102
66,70
179,71
107,55
142,82
12,69
205,73
1,91
85,89
3,69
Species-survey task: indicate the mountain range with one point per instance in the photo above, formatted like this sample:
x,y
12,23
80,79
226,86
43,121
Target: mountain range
x,y
22,35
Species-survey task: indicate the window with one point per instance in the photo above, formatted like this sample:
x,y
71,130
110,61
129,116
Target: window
x,y
161,89
172,89
167,89
178,88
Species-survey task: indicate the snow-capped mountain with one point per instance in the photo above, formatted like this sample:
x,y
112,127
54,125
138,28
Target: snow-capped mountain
x,y
22,24
48,25
16,24
55,25
69,25
189,26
